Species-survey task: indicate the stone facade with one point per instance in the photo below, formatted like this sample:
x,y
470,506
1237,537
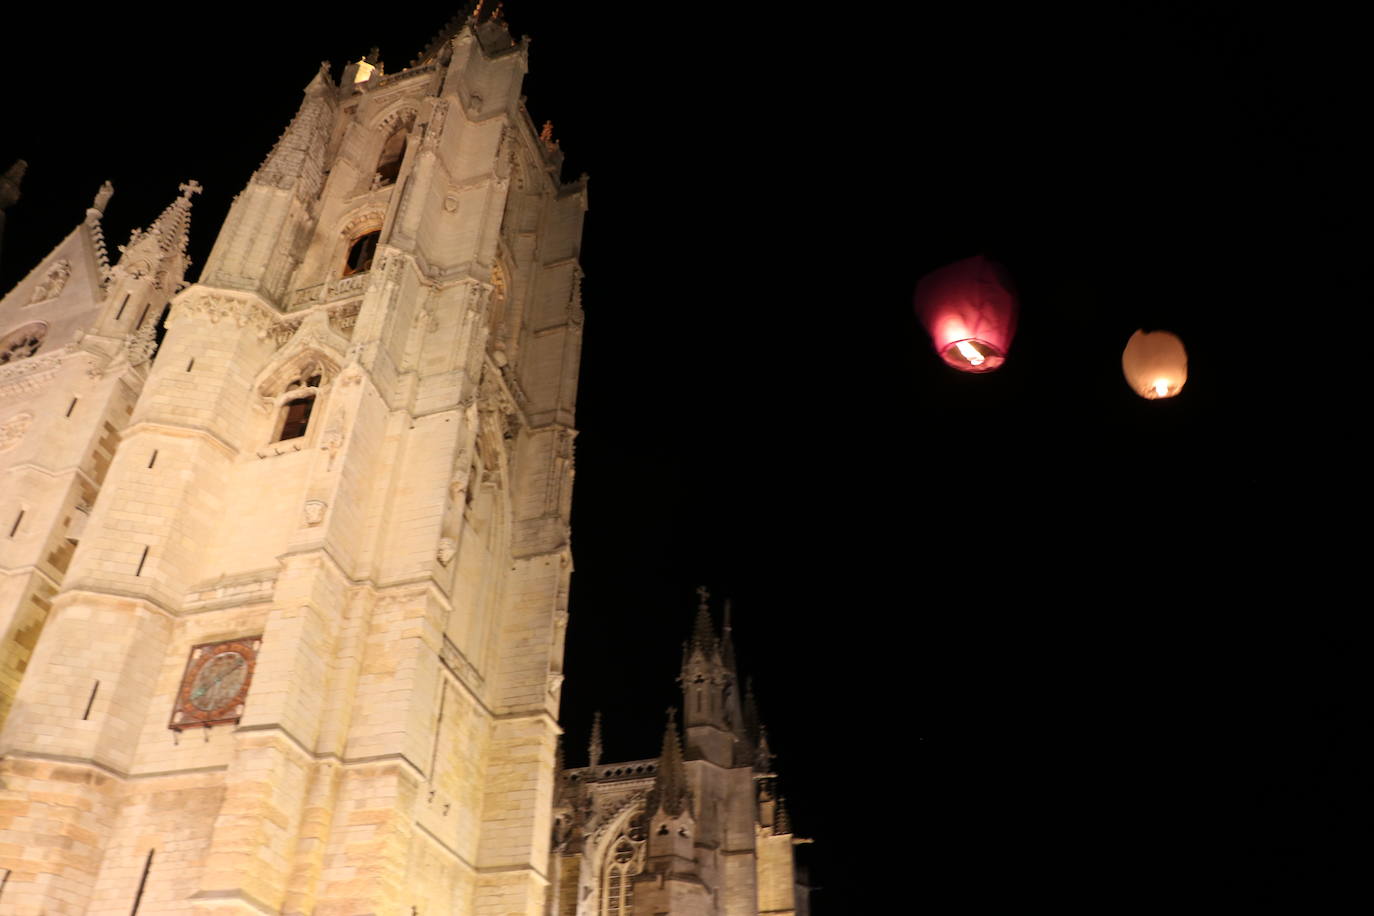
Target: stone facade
x,y
284,553
283,593
700,830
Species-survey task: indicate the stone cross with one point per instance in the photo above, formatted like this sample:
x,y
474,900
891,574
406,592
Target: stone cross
x,y
189,188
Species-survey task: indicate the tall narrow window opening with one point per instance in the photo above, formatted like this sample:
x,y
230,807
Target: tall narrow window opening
x,y
19,518
393,152
141,315
122,306
142,883
72,406
153,460
300,404
141,560
91,701
360,253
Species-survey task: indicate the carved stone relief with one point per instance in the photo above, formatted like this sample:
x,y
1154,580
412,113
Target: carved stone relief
x,y
53,282
314,511
13,430
140,345
217,308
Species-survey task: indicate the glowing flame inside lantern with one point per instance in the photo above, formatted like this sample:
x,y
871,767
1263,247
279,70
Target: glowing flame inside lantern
x,y
1162,387
973,356
969,310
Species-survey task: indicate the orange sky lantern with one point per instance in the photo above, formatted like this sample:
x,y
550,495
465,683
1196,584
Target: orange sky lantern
x,y
969,310
1155,364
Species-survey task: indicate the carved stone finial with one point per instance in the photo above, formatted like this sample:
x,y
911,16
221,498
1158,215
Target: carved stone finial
x,y
704,595
547,133
102,197
189,188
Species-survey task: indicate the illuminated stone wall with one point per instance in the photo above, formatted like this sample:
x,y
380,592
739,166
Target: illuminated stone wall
x,y
405,562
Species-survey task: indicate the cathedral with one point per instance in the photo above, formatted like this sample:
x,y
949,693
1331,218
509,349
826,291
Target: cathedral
x,y
285,551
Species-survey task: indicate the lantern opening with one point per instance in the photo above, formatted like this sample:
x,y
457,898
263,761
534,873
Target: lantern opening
x,y
1161,388
969,352
972,355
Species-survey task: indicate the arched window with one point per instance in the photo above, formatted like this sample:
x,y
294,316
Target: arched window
x,y
624,862
22,342
298,404
360,253
389,163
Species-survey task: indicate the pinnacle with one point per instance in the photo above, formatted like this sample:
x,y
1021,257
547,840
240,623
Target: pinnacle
x,y
468,11
782,823
594,745
671,789
727,643
704,631
168,234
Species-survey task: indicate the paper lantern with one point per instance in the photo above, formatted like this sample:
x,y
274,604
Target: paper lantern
x,y
1155,364
969,310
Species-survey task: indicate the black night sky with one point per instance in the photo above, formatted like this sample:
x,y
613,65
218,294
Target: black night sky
x,y
1016,637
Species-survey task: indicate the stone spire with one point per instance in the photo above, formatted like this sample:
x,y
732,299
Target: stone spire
x,y
781,822
711,708
704,631
727,643
467,11
161,248
752,722
671,793
763,757
594,745
297,158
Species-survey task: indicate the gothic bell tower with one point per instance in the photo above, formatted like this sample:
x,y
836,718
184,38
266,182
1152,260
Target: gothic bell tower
x,y
307,652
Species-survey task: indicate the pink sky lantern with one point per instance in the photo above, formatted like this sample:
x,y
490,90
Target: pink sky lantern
x,y
970,312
